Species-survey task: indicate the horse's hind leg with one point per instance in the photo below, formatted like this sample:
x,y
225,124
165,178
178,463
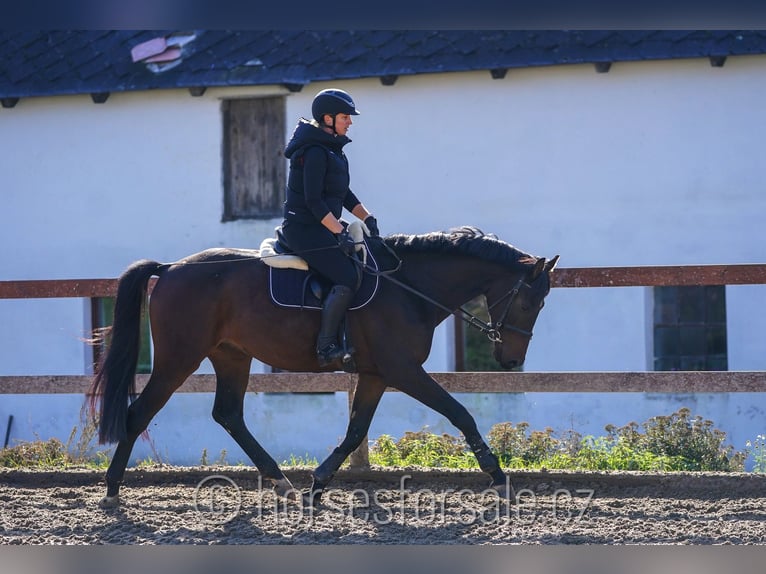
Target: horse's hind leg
x,y
423,388
369,390
232,369
155,395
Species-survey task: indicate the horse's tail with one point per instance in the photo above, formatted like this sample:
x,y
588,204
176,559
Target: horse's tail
x,y
115,375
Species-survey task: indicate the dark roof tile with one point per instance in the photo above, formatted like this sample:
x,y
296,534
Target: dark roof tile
x,y
59,62
394,47
374,39
596,38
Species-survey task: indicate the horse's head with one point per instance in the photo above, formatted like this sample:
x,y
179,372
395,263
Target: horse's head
x,y
513,311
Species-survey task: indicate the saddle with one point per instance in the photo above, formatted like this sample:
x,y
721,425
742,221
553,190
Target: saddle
x,y
293,284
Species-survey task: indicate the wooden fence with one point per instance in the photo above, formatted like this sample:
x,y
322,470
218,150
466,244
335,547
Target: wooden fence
x,y
493,382
456,382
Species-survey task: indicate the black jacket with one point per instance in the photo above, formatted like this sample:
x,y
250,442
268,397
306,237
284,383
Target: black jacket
x,y
318,181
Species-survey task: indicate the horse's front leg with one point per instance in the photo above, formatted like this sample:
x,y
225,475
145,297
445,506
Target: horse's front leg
x,y
420,386
369,390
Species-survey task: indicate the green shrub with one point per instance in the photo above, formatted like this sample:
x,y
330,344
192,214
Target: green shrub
x,y
37,454
385,451
759,453
668,443
675,442
687,442
54,453
516,448
422,448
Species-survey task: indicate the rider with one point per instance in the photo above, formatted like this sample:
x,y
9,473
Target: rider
x,y
317,191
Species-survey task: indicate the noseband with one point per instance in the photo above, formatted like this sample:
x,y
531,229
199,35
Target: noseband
x,y
493,331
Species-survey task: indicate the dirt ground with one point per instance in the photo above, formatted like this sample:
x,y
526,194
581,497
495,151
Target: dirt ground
x,y
230,505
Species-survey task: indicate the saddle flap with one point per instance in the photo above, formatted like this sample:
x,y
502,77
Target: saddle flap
x,y
317,286
305,289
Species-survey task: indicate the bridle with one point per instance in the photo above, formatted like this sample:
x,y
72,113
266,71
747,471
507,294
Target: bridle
x,y
492,331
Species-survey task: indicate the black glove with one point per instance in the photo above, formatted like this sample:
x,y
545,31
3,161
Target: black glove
x,y
346,242
372,225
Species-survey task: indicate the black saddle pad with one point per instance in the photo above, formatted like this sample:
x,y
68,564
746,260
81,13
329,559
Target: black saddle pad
x,y
290,287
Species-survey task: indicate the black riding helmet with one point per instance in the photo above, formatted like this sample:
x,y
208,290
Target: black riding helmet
x,y
332,101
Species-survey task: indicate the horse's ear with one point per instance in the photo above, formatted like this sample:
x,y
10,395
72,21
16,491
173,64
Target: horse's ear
x,y
551,265
539,267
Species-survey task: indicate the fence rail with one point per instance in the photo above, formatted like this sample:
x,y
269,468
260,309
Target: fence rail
x,y
468,382
646,276
660,275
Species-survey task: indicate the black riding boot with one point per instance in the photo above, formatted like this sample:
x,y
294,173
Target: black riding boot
x,y
335,306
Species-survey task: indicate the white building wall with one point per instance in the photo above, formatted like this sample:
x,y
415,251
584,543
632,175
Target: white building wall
x,y
652,163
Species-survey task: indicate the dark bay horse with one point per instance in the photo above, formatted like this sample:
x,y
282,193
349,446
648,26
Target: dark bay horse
x,y
216,304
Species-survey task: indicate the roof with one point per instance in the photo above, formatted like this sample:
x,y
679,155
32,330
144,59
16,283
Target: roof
x,y
42,63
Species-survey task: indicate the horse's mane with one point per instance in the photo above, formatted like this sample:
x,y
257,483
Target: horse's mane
x,y
466,240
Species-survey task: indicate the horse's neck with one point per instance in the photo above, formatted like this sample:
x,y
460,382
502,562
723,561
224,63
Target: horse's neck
x,y
448,279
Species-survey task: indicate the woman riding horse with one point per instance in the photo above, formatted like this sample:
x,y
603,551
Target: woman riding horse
x,y
317,191
216,304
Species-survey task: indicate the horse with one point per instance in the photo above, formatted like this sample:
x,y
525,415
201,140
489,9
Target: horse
x,y
216,304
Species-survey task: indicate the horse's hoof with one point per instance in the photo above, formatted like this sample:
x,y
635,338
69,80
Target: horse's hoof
x,y
505,491
311,498
283,487
109,501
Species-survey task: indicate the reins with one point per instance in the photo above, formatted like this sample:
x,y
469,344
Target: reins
x,y
491,331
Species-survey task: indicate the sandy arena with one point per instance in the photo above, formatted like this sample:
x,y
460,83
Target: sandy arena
x,y
229,505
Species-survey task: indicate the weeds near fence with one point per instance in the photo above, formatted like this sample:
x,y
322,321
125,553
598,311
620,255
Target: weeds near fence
x,y
52,453
220,461
675,442
422,448
759,453
300,461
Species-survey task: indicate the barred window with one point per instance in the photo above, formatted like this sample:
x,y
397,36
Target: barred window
x,y
690,328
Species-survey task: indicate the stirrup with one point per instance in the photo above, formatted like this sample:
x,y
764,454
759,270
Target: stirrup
x,y
332,353
329,354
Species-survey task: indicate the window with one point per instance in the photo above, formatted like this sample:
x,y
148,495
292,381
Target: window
x,y
473,350
690,328
253,161
102,315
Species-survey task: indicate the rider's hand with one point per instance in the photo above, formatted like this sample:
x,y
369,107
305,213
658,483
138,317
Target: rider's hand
x,y
346,242
372,225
